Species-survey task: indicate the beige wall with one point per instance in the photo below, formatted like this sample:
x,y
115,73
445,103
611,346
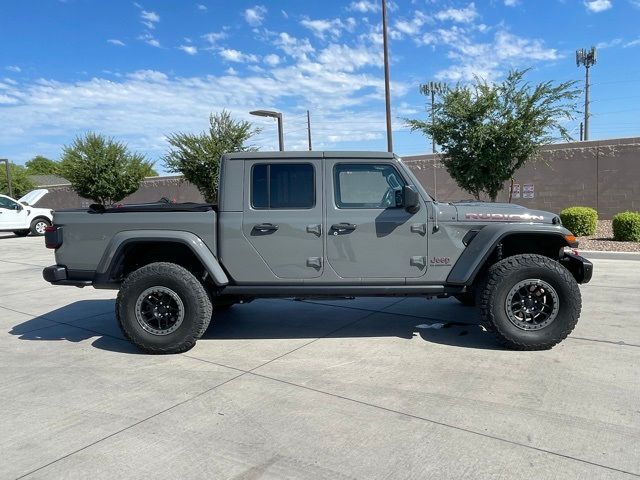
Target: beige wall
x,y
151,189
601,174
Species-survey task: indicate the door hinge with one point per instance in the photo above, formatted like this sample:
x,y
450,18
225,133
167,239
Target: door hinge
x,y
315,229
314,262
419,262
420,228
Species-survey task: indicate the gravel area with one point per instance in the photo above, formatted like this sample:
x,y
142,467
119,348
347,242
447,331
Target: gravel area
x,y
603,240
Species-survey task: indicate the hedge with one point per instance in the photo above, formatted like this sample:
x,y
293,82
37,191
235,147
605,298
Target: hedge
x,y
581,221
626,227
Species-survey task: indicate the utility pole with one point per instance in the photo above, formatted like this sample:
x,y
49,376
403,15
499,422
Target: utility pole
x,y
588,59
309,129
10,188
387,92
433,89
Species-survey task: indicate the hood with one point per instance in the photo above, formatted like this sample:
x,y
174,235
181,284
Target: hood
x,y
33,196
502,212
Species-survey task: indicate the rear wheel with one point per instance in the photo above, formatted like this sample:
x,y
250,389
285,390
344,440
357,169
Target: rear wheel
x,y
38,225
21,233
163,308
530,302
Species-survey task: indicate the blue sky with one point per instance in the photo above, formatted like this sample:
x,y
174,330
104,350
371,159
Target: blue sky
x,y
141,70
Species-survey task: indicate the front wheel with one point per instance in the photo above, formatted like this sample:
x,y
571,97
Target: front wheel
x,y
38,226
163,308
530,302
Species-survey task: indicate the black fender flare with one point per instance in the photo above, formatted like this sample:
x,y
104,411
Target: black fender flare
x,y
115,249
484,243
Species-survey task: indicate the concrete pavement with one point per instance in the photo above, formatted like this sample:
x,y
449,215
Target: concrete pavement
x,y
365,388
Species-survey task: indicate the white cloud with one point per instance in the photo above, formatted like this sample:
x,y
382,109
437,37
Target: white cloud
x,y
231,71
231,55
348,59
333,27
149,19
460,15
412,26
364,6
255,15
633,43
13,68
608,44
294,47
188,49
511,3
485,59
202,8
598,6
150,40
272,59
214,37
115,41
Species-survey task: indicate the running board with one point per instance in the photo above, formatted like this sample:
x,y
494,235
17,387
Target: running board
x,y
339,290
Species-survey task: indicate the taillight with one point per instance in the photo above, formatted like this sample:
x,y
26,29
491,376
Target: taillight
x,y
53,236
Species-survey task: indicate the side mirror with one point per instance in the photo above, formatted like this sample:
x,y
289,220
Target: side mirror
x,y
408,198
18,207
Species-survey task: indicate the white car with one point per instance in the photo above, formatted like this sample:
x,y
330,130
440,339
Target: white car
x,y
19,217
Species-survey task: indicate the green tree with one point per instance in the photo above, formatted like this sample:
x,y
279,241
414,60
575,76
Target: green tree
x,y
197,156
20,183
103,169
40,165
488,131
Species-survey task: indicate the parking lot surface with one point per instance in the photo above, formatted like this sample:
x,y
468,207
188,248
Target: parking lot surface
x,y
369,388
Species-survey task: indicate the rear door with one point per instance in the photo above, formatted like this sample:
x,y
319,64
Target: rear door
x,y
283,215
367,235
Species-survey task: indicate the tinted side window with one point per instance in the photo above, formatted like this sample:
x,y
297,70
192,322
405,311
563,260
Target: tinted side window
x,y
284,185
6,203
366,185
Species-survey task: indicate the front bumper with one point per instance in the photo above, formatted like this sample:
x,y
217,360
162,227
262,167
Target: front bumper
x,y
580,267
58,275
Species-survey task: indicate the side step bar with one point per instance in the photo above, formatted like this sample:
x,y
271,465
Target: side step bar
x,y
339,290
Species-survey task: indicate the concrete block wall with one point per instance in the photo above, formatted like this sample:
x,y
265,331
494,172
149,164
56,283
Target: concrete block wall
x,y
603,174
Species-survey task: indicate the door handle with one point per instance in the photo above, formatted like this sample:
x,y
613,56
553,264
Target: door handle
x,y
265,227
339,228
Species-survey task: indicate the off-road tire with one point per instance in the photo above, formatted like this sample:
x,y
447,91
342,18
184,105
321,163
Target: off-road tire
x,y
36,228
21,233
194,297
468,299
503,276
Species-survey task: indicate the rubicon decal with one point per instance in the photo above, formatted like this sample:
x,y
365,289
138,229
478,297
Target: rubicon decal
x,y
504,217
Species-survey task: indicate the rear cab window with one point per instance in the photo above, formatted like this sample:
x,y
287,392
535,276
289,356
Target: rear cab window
x,y
283,186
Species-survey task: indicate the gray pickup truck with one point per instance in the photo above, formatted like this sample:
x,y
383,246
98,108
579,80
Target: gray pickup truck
x,y
330,224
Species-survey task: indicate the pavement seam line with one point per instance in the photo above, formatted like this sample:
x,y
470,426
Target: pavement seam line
x,y
131,426
425,419
242,373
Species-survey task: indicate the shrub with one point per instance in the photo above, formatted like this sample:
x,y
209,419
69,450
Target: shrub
x,y
581,221
102,169
626,227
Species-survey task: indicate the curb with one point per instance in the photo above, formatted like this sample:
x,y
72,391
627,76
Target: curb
x,y
597,255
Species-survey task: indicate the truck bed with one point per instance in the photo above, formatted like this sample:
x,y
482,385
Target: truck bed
x,y
87,233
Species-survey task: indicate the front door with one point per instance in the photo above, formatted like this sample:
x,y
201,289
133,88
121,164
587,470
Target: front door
x,y
12,215
367,235
283,218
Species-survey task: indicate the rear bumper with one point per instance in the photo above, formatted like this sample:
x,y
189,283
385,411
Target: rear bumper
x,y
580,267
58,275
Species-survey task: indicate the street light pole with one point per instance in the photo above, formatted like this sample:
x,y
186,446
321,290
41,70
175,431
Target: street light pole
x,y
387,90
309,129
6,162
278,117
588,59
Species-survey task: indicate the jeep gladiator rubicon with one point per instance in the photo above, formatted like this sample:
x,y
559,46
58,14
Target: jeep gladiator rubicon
x,y
331,224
